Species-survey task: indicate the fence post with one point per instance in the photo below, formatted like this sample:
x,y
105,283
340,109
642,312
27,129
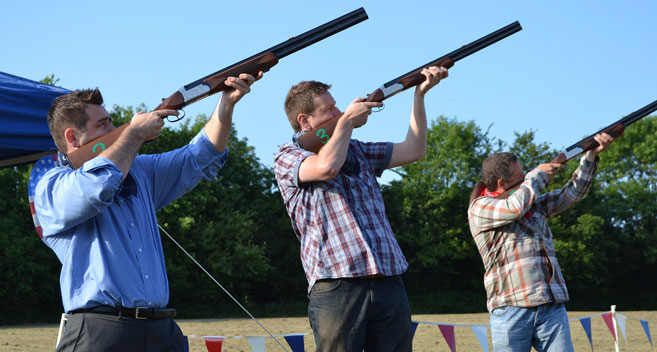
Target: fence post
x,y
613,319
62,322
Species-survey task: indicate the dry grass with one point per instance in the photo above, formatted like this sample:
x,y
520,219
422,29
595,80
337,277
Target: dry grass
x,y
427,337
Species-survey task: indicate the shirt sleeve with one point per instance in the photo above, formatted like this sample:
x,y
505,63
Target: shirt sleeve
x,y
287,161
378,154
64,197
174,173
556,201
487,213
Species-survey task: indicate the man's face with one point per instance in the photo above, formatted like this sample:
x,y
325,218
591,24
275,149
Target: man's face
x,y
99,124
324,110
516,178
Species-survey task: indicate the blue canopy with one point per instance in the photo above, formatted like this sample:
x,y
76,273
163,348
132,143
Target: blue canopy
x,y
24,133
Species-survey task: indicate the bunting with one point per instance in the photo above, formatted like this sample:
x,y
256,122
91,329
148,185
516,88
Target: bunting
x,y
448,334
213,343
296,341
257,343
646,329
586,325
610,324
482,336
620,319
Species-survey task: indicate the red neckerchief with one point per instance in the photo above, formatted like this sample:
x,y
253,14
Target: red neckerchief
x,y
486,193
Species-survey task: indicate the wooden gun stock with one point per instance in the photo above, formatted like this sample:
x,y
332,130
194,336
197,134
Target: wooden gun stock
x,y
408,80
214,83
315,139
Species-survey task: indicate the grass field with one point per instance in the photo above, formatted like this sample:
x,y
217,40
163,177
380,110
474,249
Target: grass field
x,y
427,337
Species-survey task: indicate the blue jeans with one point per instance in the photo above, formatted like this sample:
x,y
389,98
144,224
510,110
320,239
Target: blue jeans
x,y
356,314
544,327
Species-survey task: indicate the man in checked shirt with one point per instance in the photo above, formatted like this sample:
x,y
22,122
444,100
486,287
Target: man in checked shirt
x,y
524,284
350,256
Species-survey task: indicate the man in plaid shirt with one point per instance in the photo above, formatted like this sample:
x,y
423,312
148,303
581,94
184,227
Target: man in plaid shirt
x,y
523,281
350,256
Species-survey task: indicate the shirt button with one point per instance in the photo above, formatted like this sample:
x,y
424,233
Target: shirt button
x,y
150,303
146,276
140,249
132,224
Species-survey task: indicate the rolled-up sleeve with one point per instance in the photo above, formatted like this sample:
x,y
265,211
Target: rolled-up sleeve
x,y
65,197
556,201
378,154
487,213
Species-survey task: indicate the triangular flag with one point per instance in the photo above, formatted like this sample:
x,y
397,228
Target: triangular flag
x,y
295,342
414,328
620,318
213,343
257,343
646,328
448,334
186,344
610,324
586,324
482,335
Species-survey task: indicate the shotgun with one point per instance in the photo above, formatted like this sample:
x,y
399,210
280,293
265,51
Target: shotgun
x,y
615,130
315,139
214,83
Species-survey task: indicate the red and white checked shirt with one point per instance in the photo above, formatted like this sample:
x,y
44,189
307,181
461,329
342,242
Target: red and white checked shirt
x,y
341,223
521,268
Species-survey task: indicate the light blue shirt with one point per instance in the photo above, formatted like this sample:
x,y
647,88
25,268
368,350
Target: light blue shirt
x,y
104,229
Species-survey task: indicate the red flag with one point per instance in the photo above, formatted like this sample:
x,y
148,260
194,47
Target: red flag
x,y
213,343
610,324
448,334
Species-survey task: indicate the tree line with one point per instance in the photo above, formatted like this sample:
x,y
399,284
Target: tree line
x,y
237,227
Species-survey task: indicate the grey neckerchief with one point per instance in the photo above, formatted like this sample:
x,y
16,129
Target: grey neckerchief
x,y
62,160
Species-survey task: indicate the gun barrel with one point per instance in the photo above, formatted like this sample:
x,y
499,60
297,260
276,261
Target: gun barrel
x,y
301,41
316,34
468,49
615,130
639,114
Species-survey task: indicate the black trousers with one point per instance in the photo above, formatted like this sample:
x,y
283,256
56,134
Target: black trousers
x,y
99,332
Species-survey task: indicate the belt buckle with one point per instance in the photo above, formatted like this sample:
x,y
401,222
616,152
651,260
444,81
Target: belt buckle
x,y
137,313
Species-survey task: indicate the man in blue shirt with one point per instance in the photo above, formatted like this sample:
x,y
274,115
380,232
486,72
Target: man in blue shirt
x,y
100,219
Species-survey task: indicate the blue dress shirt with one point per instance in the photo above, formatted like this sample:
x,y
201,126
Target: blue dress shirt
x,y
104,230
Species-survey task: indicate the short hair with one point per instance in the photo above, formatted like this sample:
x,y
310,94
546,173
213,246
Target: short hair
x,y
69,111
299,100
497,167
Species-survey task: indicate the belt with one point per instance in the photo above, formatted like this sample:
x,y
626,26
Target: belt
x,y
136,313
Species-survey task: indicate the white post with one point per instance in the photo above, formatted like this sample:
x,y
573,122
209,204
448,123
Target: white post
x,y
62,322
613,319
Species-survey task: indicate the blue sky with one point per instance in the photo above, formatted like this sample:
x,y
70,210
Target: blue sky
x,y
576,66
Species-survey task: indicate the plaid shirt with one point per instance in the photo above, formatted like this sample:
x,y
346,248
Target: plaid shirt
x,y
521,268
341,223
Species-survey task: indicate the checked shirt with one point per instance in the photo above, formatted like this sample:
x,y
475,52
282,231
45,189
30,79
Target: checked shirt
x,y
520,265
341,223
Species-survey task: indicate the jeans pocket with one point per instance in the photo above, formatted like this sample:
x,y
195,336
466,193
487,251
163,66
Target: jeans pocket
x,y
499,311
325,286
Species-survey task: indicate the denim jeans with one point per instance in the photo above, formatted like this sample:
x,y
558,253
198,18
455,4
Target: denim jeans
x,y
544,327
356,314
